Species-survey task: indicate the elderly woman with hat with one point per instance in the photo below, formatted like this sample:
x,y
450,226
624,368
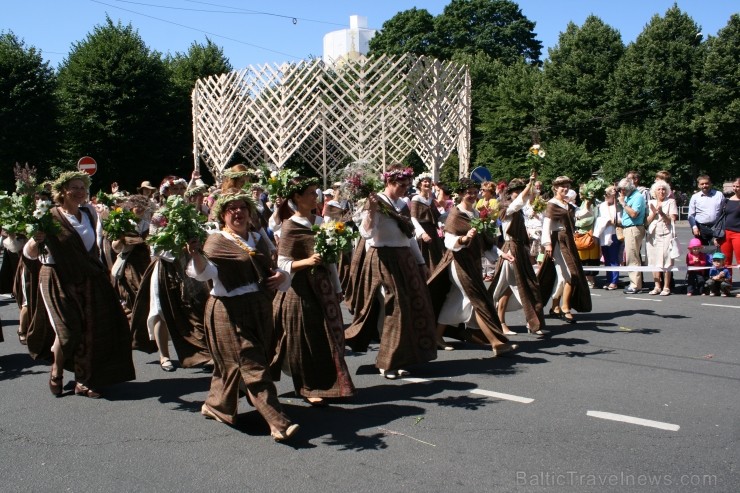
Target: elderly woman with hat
x,y
458,293
239,321
561,275
517,278
91,335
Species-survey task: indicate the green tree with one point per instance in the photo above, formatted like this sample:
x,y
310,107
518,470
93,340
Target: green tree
x,y
201,60
28,109
632,147
718,100
653,88
410,31
506,113
575,86
497,28
115,98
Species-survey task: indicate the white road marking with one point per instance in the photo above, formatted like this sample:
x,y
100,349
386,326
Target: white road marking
x,y
592,294
631,419
499,395
643,299
415,380
723,306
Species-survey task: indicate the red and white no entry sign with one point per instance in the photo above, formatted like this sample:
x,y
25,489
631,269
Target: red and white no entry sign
x,y
88,165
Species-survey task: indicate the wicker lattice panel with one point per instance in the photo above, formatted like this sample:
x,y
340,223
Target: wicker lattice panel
x,y
377,109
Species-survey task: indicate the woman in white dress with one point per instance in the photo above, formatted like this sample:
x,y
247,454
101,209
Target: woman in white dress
x,y
660,232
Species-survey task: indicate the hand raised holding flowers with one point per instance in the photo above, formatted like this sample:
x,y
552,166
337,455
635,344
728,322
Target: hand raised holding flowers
x,y
332,238
119,223
42,224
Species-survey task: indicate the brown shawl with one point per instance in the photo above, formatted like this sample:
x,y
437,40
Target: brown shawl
x,y
580,299
235,266
468,263
402,216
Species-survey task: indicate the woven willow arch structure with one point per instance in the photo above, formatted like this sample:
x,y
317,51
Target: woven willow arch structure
x,y
376,109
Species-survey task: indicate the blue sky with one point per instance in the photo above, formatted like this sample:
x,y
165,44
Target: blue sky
x,y
266,32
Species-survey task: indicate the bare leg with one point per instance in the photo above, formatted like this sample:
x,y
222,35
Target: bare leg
x,y
23,321
567,292
162,337
57,366
555,308
441,344
501,309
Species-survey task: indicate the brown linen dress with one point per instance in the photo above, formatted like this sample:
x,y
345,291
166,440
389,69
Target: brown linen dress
x,y
308,323
428,217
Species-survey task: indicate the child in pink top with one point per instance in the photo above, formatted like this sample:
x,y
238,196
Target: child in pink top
x,y
696,281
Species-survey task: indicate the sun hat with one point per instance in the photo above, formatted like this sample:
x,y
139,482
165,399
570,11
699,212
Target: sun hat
x,y
694,243
718,256
329,191
145,184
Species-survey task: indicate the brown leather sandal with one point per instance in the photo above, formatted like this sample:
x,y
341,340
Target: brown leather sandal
x,y
86,391
56,384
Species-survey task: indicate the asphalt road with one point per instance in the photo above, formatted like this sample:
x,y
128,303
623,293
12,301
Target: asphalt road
x,y
534,421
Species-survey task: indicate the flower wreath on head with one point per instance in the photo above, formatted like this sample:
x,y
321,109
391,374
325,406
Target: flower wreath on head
x,y
300,187
198,189
67,177
420,178
177,181
397,174
225,198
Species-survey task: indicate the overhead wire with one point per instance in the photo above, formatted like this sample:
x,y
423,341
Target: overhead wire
x,y
199,30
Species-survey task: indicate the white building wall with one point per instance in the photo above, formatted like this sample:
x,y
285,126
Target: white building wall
x,y
348,43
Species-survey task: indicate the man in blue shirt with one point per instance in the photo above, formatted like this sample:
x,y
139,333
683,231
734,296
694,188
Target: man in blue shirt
x,y
705,207
634,208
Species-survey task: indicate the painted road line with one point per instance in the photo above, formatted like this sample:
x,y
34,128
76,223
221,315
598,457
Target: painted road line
x,y
643,299
723,306
631,419
415,380
499,395
592,294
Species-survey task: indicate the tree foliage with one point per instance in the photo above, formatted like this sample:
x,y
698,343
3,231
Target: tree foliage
x,y
653,88
718,103
28,109
116,106
497,28
575,87
410,31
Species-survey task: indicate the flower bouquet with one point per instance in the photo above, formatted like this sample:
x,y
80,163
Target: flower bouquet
x,y
536,153
276,182
333,238
118,223
43,222
359,180
485,223
176,223
14,212
539,205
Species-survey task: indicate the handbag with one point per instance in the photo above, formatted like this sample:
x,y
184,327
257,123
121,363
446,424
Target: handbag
x,y
718,228
584,241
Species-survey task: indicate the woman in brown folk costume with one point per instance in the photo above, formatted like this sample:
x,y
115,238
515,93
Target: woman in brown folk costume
x,y
13,245
561,257
425,216
133,253
308,318
169,304
337,209
457,289
239,323
91,332
390,298
517,278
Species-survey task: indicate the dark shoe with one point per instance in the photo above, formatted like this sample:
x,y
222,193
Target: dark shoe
x,y
22,338
167,365
568,318
555,314
56,384
631,290
280,436
86,391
